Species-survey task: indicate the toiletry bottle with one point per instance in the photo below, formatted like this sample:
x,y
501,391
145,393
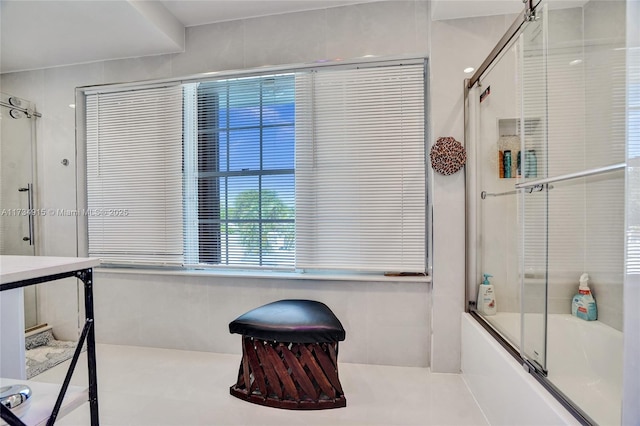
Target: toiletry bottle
x,y
583,305
507,164
486,302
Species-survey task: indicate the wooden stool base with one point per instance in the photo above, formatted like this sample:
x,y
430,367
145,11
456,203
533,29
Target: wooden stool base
x,y
295,376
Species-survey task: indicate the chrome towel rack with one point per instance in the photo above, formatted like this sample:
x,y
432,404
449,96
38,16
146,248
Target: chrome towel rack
x,y
528,190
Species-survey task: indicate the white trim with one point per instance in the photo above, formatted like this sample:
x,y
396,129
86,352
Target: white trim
x,y
216,75
234,273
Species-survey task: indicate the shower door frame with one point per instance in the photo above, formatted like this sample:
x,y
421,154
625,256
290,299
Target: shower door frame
x,y
516,28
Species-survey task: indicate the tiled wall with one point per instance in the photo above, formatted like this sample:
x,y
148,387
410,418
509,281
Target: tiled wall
x,y
631,381
605,81
383,28
586,130
455,45
386,322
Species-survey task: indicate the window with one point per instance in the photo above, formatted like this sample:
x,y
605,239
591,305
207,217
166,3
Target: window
x,y
312,169
241,165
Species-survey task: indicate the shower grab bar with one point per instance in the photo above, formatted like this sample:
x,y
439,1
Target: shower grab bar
x,y
536,188
569,176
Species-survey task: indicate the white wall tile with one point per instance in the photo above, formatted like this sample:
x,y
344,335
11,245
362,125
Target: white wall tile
x,y
137,69
631,301
58,307
195,312
214,47
379,28
56,142
385,323
284,39
455,45
28,85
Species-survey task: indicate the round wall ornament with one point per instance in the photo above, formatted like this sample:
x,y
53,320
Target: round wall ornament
x,y
447,156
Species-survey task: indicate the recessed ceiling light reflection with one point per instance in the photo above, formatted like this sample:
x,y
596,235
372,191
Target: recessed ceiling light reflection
x,y
72,105
469,70
575,62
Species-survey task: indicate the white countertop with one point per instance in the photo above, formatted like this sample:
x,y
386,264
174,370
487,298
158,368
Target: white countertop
x,y
19,268
42,400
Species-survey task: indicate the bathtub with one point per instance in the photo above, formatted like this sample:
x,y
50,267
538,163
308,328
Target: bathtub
x,y
584,361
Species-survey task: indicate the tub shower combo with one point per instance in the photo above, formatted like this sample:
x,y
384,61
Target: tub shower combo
x,y
546,141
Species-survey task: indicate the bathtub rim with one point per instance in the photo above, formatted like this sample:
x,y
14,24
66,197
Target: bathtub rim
x,y
539,375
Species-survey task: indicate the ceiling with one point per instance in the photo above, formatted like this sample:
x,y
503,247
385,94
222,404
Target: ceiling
x,y
42,34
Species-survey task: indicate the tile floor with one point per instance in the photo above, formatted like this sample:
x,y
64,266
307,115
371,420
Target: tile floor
x,y
148,386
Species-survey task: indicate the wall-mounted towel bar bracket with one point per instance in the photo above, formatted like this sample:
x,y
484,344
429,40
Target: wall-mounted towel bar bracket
x,y
528,190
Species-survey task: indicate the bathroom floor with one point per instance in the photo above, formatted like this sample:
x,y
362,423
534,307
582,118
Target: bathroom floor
x,y
148,386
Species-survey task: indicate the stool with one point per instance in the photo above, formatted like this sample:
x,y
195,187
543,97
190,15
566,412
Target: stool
x,y
289,356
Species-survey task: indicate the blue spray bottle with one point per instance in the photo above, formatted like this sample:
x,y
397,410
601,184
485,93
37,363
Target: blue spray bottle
x,y
583,305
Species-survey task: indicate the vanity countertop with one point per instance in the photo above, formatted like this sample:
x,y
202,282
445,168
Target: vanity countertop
x,y
20,268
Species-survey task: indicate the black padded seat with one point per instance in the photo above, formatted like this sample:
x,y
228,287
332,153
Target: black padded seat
x,y
292,320
290,356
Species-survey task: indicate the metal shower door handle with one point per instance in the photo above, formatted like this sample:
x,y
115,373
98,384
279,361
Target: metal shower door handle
x,y
30,212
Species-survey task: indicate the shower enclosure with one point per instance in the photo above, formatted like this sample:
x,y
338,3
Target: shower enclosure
x,y
545,132
17,190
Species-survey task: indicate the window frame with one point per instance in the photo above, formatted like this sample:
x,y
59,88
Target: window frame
x,y
222,254
205,77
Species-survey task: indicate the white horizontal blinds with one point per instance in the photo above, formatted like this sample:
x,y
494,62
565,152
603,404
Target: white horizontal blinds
x,y
134,176
245,206
360,169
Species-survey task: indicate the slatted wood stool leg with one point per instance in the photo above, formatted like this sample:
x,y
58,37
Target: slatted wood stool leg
x,y
289,374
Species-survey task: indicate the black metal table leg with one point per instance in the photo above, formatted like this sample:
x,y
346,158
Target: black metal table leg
x,y
88,335
87,278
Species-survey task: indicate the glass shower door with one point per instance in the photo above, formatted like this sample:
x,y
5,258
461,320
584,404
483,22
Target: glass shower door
x,y
17,152
497,109
16,192
534,201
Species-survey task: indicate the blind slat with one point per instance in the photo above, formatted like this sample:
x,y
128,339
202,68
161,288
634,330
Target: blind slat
x,y
360,170
134,164
321,171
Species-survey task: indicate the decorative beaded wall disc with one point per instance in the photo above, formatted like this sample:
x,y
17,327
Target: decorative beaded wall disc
x,y
447,156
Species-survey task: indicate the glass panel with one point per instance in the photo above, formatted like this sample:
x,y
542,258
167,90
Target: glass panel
x,y
278,147
16,167
585,96
534,204
570,92
242,244
244,149
17,174
498,144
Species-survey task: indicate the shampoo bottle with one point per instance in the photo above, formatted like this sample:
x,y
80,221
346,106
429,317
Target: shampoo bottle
x,y
486,302
583,305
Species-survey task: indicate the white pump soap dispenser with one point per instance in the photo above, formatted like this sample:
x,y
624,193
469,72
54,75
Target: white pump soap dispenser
x,y
486,302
